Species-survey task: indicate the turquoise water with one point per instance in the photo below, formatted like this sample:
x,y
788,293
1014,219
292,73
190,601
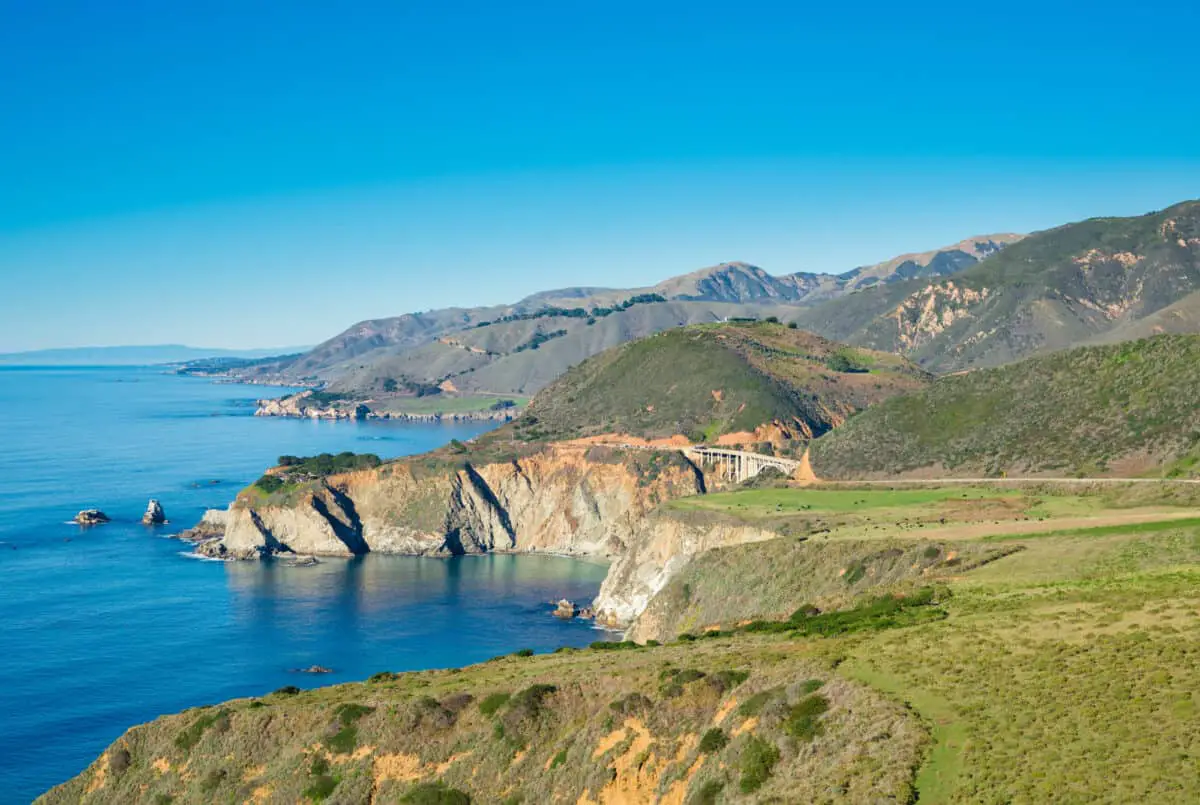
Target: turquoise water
x,y
107,627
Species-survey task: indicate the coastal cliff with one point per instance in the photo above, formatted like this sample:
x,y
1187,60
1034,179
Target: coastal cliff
x,y
594,502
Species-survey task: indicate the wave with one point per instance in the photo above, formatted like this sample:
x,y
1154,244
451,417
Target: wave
x,y
200,558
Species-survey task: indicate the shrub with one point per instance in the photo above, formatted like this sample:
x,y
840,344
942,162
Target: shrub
x,y
803,721
755,704
713,740
345,740
633,703
708,793
525,652
493,702
757,761
383,676
270,483
457,702
610,645
211,781
321,789
810,685
435,794
287,690
559,759
191,736
119,760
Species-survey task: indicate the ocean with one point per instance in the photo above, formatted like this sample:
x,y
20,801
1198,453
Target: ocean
x,y
102,628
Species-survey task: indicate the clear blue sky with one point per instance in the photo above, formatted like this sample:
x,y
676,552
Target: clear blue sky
x,y
267,173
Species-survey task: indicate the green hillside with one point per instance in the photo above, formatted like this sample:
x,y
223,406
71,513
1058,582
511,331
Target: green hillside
x,y
982,646
1124,409
708,380
1052,290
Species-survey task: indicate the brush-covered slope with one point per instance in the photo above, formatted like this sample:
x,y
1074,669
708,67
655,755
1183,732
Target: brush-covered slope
x,y
1122,409
1052,290
634,725
518,348
715,380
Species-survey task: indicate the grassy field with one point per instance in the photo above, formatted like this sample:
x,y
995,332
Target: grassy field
x,y
1066,670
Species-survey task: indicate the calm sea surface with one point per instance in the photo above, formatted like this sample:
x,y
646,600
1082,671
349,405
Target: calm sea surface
x,y
107,627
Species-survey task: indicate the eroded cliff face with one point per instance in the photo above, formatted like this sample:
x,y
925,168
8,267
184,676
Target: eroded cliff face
x,y
565,499
568,499
664,546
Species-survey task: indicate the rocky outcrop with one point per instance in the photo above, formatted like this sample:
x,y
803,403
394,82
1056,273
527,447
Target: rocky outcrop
x,y
154,513
665,545
567,499
211,527
303,406
91,517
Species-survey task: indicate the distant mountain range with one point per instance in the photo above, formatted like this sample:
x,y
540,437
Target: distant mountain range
x,y
981,302
519,348
1104,279
133,355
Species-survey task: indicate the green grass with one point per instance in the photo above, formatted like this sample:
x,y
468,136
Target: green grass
x,y
768,502
441,404
711,380
1074,413
1150,527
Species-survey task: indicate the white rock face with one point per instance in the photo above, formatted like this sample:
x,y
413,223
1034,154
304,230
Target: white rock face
x,y
154,513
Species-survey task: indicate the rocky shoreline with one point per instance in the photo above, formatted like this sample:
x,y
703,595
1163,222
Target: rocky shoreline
x,y
567,500
298,406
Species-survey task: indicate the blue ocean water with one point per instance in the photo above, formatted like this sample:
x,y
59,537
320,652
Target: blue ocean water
x,y
107,627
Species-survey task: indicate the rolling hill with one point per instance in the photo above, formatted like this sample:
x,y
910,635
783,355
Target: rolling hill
x,y
733,380
517,349
1123,409
1053,290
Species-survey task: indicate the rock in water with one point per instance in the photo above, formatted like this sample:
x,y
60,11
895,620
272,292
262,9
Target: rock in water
x,y
566,610
91,517
154,513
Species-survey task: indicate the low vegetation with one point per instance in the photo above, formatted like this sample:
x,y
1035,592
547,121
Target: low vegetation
x,y
1124,409
726,378
295,470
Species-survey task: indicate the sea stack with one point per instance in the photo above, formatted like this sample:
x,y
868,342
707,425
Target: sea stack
x,y
91,517
154,514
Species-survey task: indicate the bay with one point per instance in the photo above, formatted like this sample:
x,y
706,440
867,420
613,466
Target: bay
x,y
105,627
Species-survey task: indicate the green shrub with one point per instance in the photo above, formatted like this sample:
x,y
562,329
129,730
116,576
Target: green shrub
x,y
287,690
321,788
435,794
345,740
191,736
611,645
493,702
707,793
525,652
755,704
383,676
270,483
803,721
559,759
757,761
714,740
810,685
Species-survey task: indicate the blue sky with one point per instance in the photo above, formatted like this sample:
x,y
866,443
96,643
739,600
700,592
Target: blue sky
x,y
254,174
